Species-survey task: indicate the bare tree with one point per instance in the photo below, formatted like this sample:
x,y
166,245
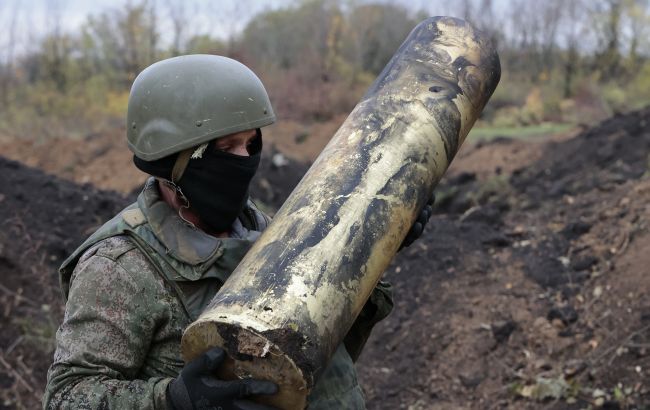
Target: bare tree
x,y
56,46
637,21
230,18
606,19
550,13
122,42
177,11
153,31
7,61
571,32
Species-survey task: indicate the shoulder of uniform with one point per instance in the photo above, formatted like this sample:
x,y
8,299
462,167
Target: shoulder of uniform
x,y
258,219
112,248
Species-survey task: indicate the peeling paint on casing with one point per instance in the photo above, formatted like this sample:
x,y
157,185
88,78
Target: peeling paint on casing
x,y
300,287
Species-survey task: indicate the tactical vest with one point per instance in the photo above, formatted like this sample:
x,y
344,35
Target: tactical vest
x,y
204,256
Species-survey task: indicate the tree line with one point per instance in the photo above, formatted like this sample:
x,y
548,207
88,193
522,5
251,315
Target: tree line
x,y
562,60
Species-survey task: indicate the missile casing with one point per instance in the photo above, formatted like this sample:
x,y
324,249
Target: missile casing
x,y
294,296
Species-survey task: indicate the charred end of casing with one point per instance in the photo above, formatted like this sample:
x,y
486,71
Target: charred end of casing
x,y
252,355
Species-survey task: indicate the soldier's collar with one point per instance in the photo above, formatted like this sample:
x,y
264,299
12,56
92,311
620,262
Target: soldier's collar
x,y
182,241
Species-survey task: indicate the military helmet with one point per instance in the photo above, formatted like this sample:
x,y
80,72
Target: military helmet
x,y
185,101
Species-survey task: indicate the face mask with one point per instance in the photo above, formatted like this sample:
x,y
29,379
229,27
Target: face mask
x,y
216,186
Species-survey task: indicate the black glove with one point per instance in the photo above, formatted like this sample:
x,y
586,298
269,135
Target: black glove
x,y
418,227
197,387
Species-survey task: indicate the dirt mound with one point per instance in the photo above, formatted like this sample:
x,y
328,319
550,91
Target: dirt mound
x,y
529,288
99,159
42,220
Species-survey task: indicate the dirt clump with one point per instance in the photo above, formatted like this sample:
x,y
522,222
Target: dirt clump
x,y
528,290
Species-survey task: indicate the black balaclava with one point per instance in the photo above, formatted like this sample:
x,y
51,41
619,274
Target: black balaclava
x,y
214,184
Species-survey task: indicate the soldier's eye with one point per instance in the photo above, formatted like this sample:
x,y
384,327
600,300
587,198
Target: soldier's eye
x,y
254,145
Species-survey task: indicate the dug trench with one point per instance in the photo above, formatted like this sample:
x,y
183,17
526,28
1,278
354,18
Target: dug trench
x,y
528,289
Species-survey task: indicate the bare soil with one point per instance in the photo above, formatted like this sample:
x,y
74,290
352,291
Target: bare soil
x,y
528,290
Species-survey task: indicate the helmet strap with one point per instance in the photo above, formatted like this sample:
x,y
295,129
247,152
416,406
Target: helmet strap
x,y
181,196
181,164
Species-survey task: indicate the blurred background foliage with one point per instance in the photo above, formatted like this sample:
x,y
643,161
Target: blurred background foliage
x,y
564,62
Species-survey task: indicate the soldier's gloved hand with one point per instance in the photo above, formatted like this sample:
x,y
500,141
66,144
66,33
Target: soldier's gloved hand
x,y
418,227
197,387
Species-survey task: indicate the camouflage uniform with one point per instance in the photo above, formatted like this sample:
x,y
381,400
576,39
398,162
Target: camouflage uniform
x,y
136,284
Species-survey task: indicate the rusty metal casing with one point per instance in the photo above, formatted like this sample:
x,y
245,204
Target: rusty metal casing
x,y
294,296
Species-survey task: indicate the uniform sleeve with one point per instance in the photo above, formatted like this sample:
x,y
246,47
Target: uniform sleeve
x,y
378,306
109,322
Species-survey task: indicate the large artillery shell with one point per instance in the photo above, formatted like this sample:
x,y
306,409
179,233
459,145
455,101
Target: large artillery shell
x,y
294,296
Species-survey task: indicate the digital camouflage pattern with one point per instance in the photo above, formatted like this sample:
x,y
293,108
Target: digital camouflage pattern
x,y
131,290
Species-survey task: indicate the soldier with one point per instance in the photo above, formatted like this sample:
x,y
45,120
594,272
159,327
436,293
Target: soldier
x,y
133,287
